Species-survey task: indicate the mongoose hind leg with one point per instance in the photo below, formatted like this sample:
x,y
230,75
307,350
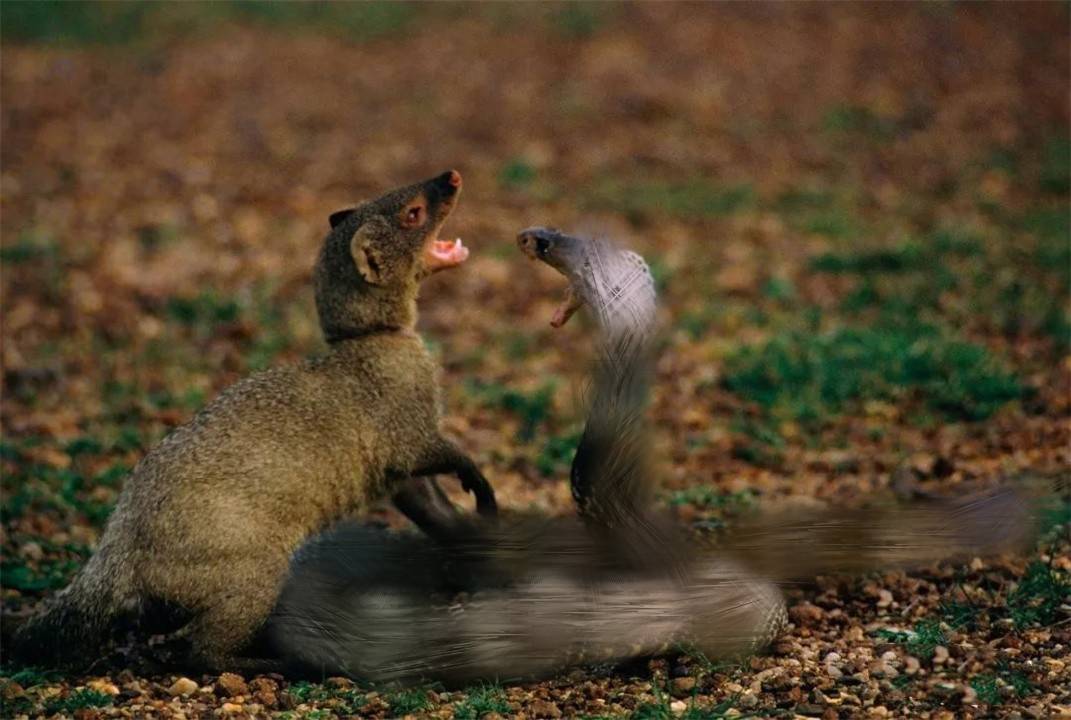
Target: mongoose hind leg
x,y
444,456
244,597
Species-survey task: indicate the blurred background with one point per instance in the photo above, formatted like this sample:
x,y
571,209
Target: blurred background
x,y
857,216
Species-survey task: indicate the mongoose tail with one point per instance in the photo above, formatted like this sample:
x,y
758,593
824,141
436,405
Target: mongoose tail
x,y
796,545
80,620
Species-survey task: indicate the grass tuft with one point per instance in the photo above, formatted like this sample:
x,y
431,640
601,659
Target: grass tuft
x,y
481,701
557,453
696,198
80,699
806,377
407,702
858,120
1037,598
517,174
533,408
922,641
111,23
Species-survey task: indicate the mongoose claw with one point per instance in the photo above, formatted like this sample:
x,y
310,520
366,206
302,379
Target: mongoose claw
x,y
486,504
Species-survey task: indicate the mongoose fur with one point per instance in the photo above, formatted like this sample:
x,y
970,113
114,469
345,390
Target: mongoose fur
x,y
208,520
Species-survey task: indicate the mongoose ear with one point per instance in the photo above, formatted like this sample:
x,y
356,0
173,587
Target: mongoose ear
x,y
337,217
365,257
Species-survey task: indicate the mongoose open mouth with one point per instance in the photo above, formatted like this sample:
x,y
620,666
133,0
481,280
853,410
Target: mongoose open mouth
x,y
442,254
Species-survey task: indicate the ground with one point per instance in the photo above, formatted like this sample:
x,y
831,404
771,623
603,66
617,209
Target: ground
x,y
857,217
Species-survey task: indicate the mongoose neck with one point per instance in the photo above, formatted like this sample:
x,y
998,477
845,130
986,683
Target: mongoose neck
x,y
345,335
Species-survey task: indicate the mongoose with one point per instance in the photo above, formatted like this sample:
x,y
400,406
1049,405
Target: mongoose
x,y
531,596
208,520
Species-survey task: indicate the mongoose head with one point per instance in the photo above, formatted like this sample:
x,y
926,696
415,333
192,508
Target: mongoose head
x,y
376,254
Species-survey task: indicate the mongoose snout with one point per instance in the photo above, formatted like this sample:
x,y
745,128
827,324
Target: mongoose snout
x,y
443,254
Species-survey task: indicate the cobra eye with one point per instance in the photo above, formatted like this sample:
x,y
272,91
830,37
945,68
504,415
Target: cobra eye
x,y
542,246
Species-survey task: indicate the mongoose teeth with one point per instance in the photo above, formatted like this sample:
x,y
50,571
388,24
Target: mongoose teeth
x,y
447,254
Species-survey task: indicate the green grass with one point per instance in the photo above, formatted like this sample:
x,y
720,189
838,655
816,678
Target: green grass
x,y
885,260
345,701
532,408
1055,175
661,709
517,174
557,453
1037,598
960,615
922,641
580,20
78,700
48,575
834,223
29,677
696,198
809,376
482,701
858,120
985,686
203,316
207,310
29,246
1018,682
43,487
55,21
711,498
407,702
801,199
757,441
1014,285
113,23
1051,229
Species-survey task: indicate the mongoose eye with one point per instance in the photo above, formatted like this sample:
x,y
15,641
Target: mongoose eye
x,y
414,216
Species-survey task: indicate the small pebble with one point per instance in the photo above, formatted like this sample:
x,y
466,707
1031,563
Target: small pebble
x,y
233,684
545,709
13,690
31,551
102,685
182,686
684,684
806,614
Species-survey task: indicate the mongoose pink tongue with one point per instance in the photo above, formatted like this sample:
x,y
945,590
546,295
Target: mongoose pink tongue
x,y
446,254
